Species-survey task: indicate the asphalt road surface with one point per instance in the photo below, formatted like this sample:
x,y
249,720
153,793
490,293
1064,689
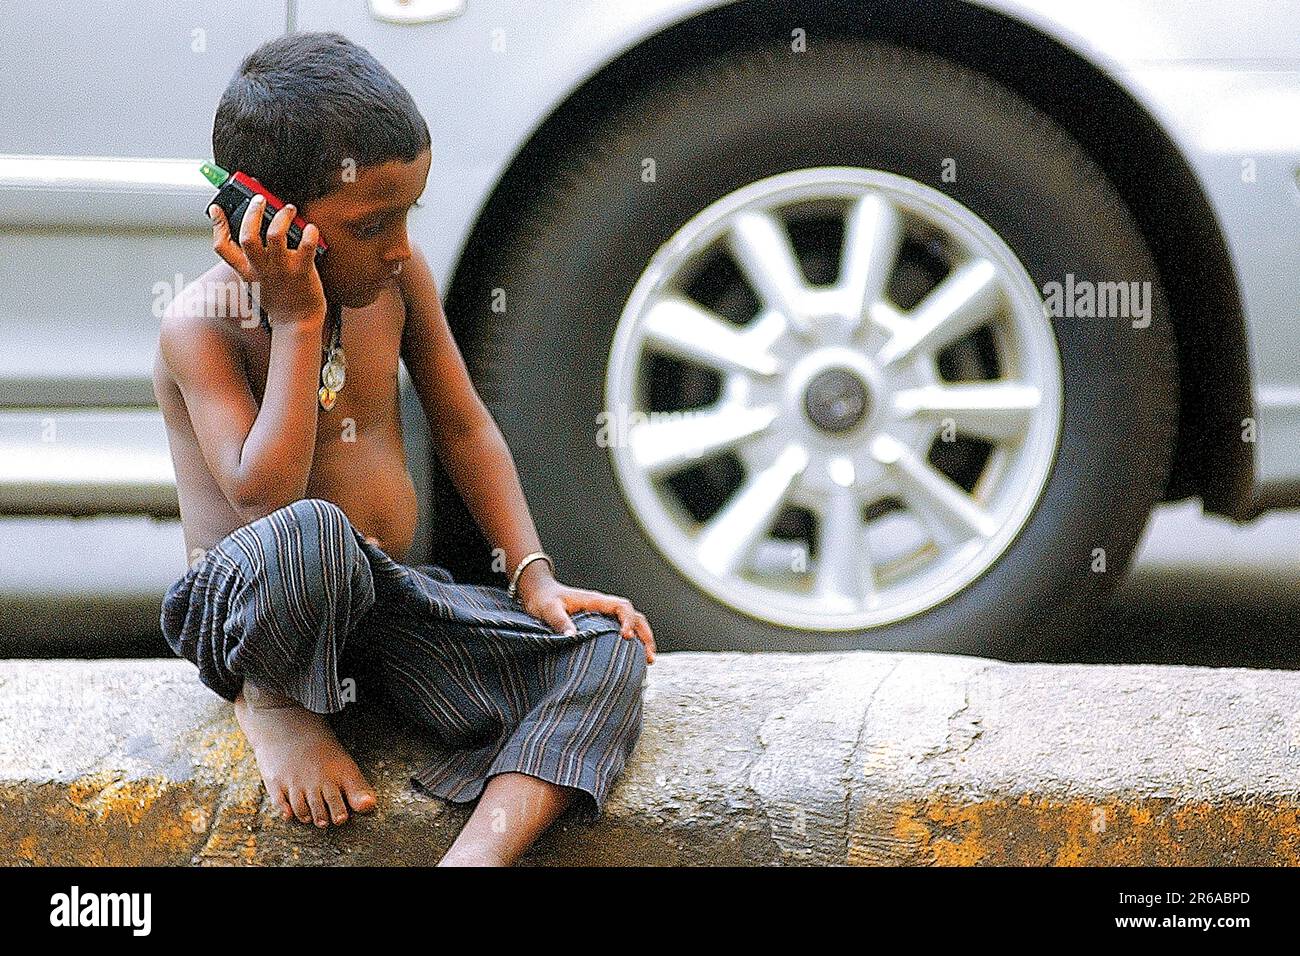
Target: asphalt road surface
x,y
1202,590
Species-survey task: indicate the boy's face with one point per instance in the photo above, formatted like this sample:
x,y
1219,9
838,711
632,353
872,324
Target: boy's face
x,y
364,224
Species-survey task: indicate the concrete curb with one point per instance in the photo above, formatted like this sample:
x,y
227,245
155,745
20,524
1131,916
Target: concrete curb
x,y
774,758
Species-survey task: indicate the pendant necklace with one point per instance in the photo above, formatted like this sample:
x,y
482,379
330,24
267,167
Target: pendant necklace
x,y
333,372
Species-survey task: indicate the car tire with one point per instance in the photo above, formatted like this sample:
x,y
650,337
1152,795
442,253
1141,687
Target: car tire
x,y
546,306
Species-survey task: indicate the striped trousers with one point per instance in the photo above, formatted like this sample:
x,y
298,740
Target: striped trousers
x,y
299,602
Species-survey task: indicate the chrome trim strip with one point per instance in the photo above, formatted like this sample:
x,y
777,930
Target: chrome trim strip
x,y
100,173
416,11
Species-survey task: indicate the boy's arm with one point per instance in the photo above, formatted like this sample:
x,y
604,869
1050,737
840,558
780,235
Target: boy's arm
x,y
467,439
474,452
261,459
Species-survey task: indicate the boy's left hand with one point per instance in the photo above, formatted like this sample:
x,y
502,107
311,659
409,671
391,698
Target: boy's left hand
x,y
548,600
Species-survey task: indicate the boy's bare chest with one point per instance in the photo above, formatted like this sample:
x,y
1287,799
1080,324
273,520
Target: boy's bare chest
x,y
371,339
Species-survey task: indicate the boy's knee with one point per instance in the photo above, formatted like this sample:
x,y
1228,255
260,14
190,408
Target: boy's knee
x,y
630,663
318,522
310,543
315,513
307,517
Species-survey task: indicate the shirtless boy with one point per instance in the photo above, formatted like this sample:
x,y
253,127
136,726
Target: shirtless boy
x,y
261,464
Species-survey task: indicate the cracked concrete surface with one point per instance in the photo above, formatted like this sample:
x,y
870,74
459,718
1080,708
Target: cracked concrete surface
x,y
767,759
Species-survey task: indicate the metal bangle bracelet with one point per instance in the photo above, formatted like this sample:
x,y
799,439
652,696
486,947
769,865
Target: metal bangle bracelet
x,y
524,562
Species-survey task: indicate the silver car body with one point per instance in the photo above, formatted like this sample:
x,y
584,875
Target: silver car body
x,y
110,111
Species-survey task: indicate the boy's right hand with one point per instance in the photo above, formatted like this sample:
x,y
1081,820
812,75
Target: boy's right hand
x,y
285,281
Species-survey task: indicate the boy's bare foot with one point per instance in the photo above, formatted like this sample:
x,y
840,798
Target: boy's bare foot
x,y
306,770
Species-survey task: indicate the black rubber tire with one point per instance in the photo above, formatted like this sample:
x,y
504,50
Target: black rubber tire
x,y
571,261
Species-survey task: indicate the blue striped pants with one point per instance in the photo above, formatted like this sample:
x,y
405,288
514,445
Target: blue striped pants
x,y
299,602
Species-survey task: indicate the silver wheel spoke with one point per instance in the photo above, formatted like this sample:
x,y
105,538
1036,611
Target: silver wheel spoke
x,y
959,304
672,439
763,251
729,535
932,495
690,331
871,241
844,568
886,317
999,411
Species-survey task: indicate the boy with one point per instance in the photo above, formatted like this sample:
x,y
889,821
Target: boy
x,y
298,508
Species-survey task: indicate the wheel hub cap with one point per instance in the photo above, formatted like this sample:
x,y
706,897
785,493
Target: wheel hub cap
x,y
836,400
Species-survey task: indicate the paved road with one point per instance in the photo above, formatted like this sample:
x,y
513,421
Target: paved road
x,y
1204,590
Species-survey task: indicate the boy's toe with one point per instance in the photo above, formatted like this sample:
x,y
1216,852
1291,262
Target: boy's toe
x,y
338,809
361,796
319,811
282,804
298,799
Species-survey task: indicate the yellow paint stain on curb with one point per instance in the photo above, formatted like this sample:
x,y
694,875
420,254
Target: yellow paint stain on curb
x,y
223,748
134,805
1028,831
102,819
26,849
96,797
969,851
908,829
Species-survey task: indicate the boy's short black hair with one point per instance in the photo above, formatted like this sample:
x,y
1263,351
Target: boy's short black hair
x,y
302,105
